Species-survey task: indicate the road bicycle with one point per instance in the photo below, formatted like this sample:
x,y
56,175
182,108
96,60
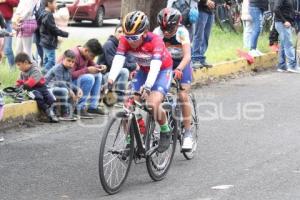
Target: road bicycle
x,y
173,99
122,143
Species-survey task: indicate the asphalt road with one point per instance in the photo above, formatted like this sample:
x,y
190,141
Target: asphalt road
x,y
86,30
257,151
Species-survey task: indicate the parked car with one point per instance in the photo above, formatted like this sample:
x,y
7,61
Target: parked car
x,y
93,10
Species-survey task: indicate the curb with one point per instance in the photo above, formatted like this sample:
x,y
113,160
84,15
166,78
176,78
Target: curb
x,y
19,113
234,67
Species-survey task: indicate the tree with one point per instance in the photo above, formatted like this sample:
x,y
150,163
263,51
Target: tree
x,y
150,7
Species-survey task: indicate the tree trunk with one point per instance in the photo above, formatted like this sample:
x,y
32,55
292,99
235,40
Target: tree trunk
x,y
150,7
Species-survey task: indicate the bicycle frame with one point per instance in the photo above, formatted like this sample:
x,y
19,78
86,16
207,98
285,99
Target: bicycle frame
x,y
141,150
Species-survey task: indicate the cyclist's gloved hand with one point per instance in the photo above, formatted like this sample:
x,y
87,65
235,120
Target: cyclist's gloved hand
x,y
177,74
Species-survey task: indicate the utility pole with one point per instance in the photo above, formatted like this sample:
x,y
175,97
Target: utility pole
x,y
150,7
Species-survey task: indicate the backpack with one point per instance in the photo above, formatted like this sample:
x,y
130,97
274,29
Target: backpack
x,y
184,9
38,11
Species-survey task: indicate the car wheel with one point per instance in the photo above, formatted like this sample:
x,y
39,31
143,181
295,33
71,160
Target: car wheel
x,y
99,18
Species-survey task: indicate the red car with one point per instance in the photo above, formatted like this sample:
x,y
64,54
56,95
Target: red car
x,y
93,10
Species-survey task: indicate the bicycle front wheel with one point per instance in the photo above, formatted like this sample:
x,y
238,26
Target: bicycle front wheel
x,y
116,153
158,164
194,128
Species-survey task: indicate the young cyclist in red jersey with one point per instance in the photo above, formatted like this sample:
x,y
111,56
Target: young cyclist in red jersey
x,y
176,38
154,77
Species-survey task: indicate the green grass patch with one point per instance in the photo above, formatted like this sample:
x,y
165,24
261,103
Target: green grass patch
x,y
223,45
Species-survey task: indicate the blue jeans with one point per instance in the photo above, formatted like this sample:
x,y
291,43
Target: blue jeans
x,y
121,82
201,37
8,45
90,85
287,57
49,58
62,95
257,21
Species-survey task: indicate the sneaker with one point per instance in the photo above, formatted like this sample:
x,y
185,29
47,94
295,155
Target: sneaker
x,y
164,142
51,116
294,70
253,53
196,65
281,70
97,111
83,114
68,118
187,144
205,64
259,53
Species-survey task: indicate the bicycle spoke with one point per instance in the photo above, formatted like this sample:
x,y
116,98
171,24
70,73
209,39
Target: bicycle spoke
x,y
110,161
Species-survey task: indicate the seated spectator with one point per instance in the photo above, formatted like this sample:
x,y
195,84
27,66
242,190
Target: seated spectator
x,y
59,78
49,34
109,51
88,76
31,79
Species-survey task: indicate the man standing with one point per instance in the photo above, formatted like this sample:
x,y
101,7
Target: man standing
x,y
256,9
6,8
284,19
202,33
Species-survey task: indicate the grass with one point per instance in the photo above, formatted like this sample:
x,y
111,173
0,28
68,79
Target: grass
x,y
222,47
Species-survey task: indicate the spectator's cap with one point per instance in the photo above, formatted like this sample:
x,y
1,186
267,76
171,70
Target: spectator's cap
x,y
168,19
135,23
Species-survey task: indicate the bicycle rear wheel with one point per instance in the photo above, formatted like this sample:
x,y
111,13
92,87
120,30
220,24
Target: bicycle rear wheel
x,y
116,154
195,128
158,164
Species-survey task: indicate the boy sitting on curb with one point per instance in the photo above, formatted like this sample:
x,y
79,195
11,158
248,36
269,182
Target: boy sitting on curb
x,y
60,80
32,79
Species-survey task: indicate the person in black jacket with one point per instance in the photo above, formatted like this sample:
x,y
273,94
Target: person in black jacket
x,y
256,9
109,51
284,19
49,33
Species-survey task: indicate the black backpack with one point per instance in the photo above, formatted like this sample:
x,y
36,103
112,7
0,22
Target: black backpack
x,y
184,9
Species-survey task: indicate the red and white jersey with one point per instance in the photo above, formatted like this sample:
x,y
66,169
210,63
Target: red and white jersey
x,y
153,48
